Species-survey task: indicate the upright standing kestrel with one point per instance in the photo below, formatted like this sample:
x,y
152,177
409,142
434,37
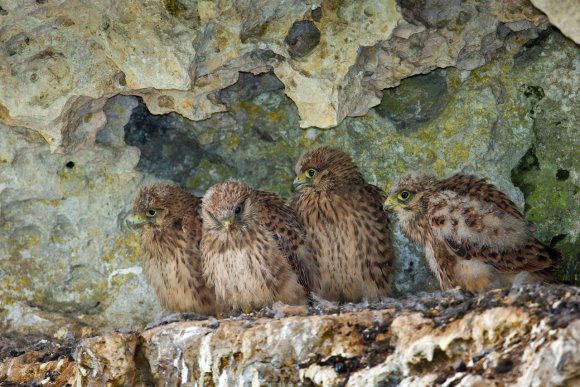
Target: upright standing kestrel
x,y
345,221
473,235
254,249
170,239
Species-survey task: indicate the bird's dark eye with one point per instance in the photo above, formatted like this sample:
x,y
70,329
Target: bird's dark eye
x,y
310,173
238,210
151,212
404,195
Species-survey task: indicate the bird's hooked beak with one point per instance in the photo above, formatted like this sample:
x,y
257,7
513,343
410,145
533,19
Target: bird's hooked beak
x,y
135,221
390,204
301,182
227,223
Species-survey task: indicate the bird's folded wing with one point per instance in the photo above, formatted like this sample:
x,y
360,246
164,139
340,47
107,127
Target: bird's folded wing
x,y
474,229
291,239
479,189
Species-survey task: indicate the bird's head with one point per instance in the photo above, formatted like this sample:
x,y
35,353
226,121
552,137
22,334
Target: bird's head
x,y
405,196
326,168
227,206
158,206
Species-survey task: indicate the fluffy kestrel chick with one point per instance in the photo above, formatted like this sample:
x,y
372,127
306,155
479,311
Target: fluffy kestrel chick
x,y
344,219
171,233
254,249
473,235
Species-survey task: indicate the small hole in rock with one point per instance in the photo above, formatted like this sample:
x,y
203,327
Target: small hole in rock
x,y
70,165
562,174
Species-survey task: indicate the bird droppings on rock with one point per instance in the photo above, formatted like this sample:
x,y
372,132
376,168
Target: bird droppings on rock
x,y
497,339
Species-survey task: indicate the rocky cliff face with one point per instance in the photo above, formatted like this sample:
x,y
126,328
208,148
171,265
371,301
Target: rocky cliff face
x,y
98,96
529,337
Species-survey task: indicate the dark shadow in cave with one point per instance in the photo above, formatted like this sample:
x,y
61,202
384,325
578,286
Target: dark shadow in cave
x,y
169,150
169,145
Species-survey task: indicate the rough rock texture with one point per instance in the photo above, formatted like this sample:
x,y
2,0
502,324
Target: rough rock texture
x,y
36,360
58,214
563,14
548,174
486,87
526,337
175,55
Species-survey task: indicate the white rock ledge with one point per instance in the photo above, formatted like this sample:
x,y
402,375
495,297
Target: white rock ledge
x,y
526,337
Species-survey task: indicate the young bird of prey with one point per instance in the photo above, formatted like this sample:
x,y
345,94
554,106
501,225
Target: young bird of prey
x,y
171,232
345,221
472,234
254,249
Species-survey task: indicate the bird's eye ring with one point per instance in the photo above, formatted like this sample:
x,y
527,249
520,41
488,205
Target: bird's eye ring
x,y
151,212
404,195
310,173
238,210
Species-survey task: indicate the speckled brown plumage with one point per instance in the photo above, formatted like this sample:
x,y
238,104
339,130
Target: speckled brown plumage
x,y
171,233
473,235
254,249
350,233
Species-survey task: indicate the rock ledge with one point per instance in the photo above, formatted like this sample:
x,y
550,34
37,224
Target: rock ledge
x,y
529,336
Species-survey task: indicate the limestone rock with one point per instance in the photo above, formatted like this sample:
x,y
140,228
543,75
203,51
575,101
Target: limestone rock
x,y
302,38
527,336
417,100
176,57
548,172
563,14
499,338
505,92
108,360
62,251
38,360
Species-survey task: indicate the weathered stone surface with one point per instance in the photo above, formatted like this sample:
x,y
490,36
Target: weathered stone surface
x,y
563,14
302,38
32,368
527,337
496,338
67,265
481,122
548,173
109,360
36,360
176,55
61,247
416,100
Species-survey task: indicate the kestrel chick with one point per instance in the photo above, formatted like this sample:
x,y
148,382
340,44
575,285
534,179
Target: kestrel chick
x,y
473,235
344,218
171,233
254,249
